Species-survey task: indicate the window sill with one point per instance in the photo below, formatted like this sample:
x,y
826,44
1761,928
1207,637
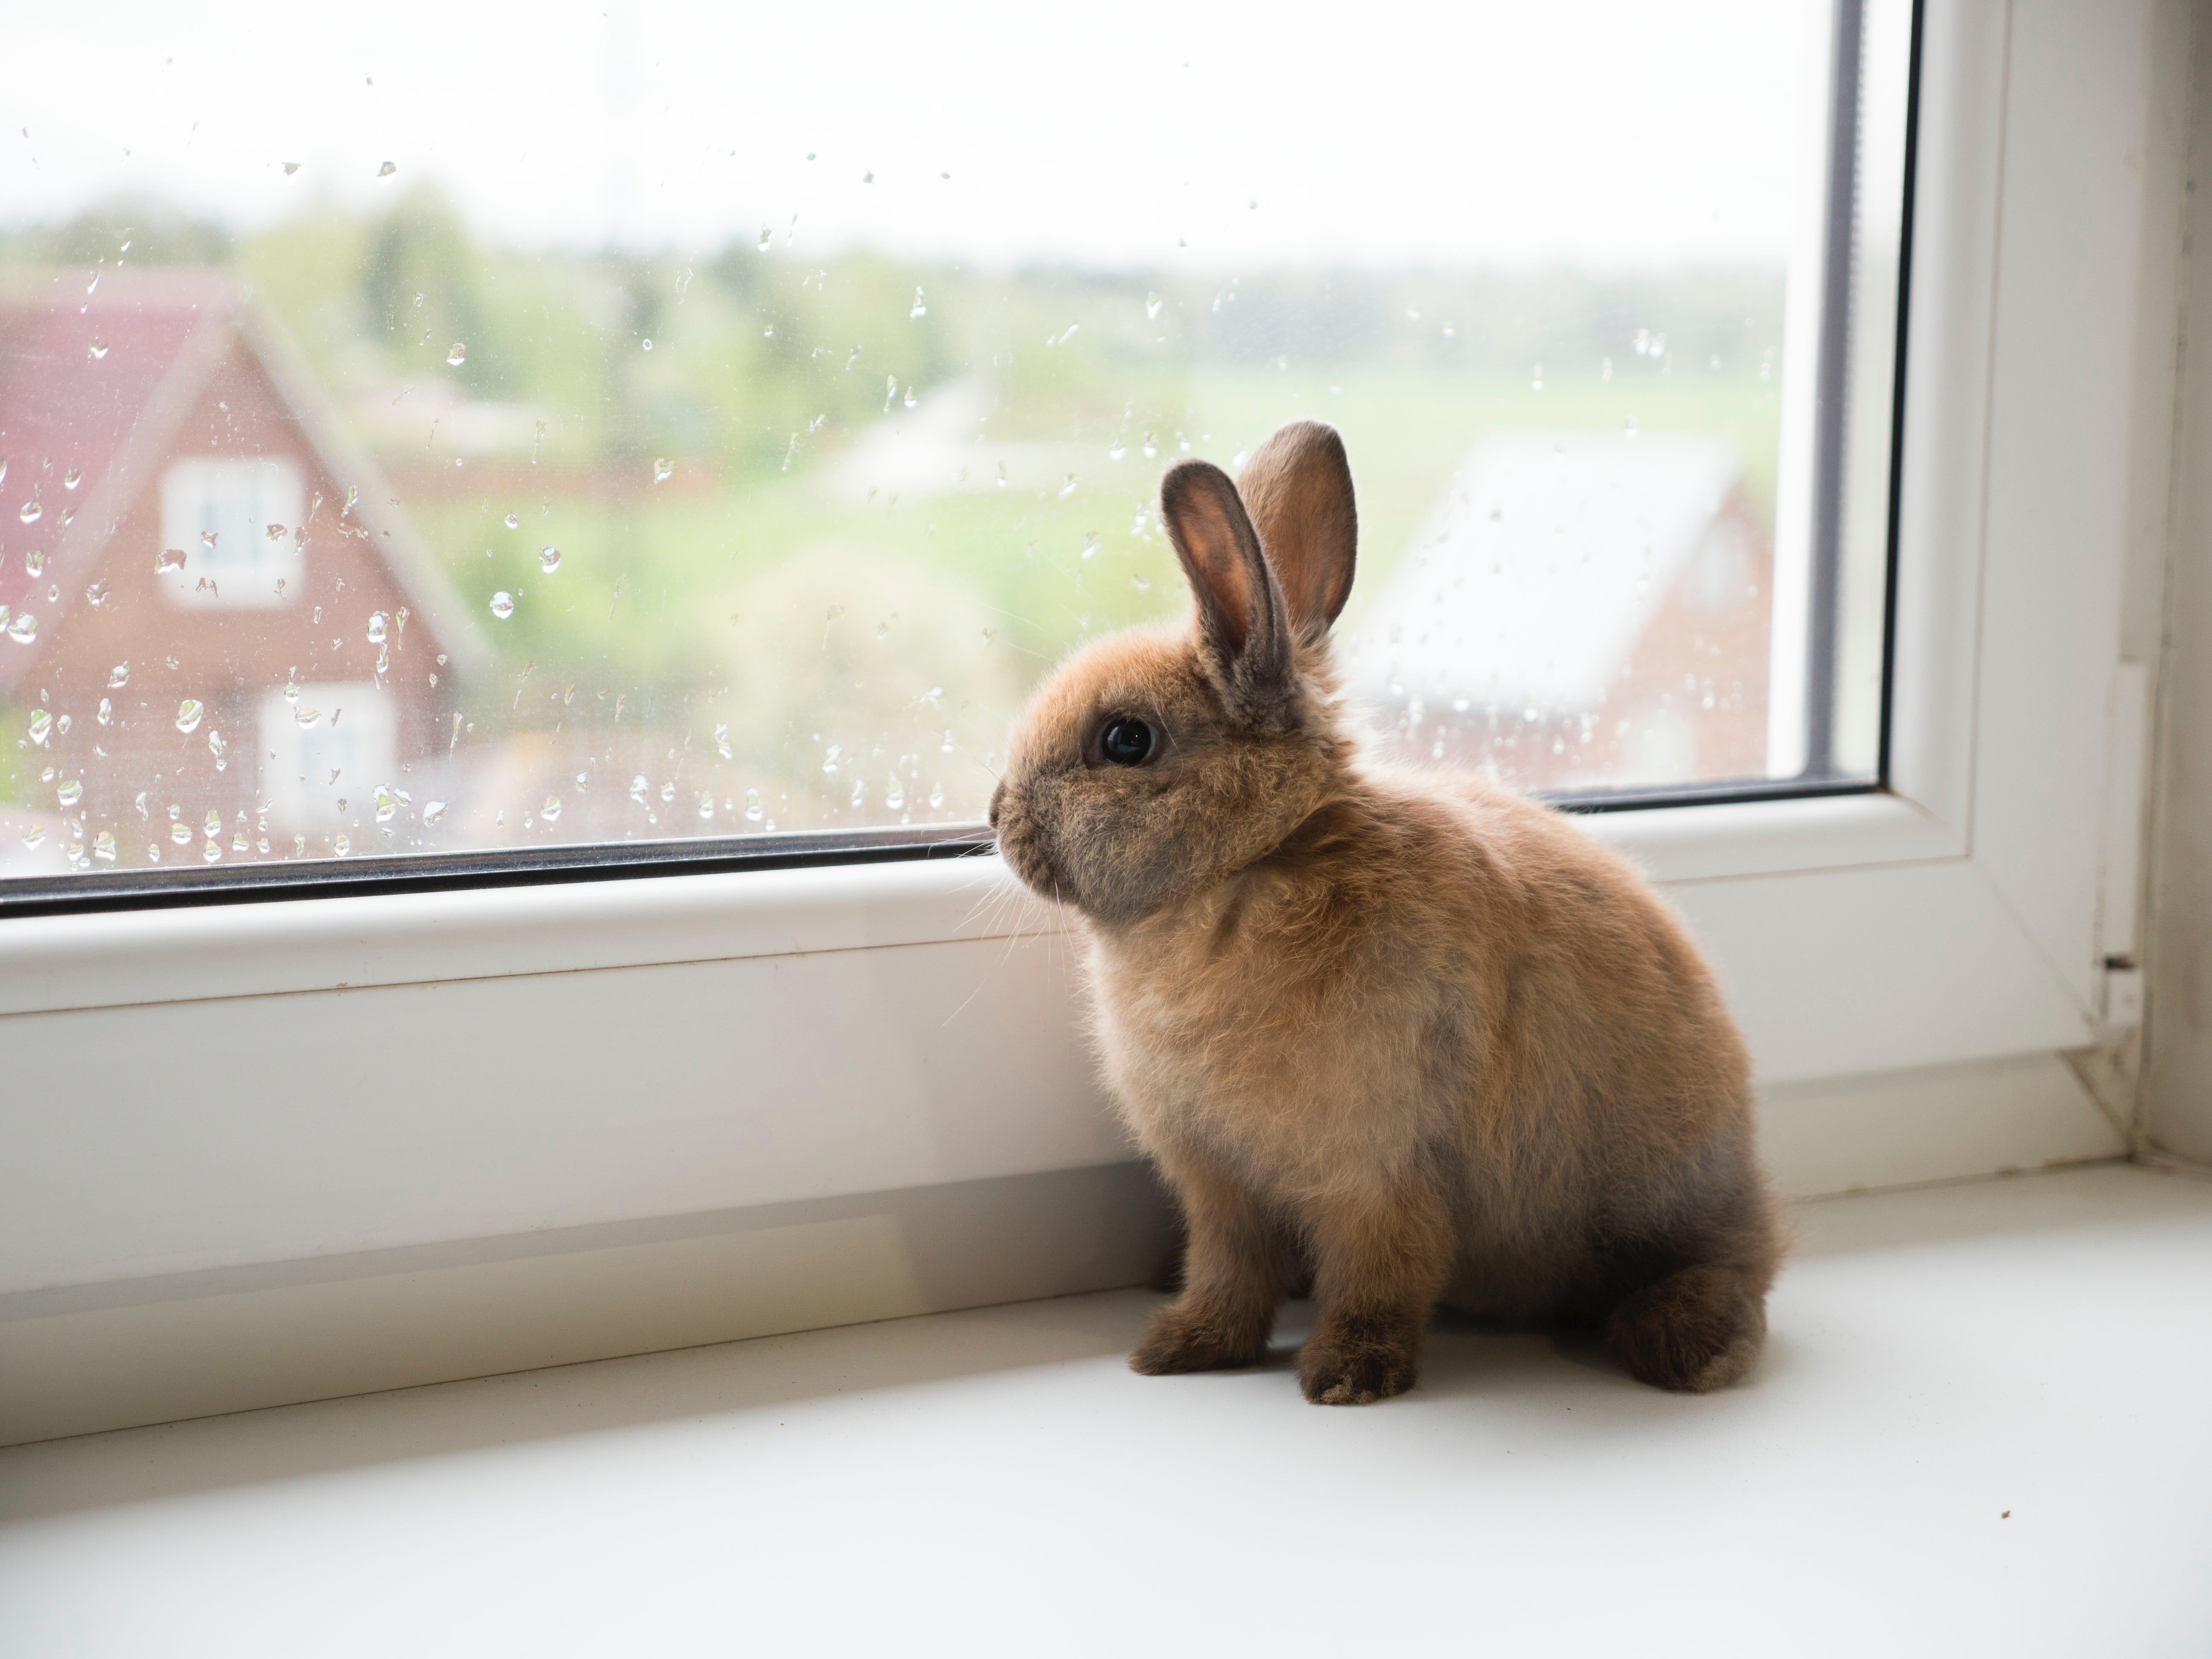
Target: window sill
x,y
834,1491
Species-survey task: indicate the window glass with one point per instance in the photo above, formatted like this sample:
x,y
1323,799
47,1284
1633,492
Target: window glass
x,y
709,421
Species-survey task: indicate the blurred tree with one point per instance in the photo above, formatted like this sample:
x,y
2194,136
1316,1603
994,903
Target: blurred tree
x,y
422,285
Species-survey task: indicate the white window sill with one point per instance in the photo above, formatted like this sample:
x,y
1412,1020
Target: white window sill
x,y
997,1482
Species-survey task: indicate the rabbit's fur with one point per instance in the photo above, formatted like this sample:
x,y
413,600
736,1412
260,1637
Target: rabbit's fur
x,y
1412,1033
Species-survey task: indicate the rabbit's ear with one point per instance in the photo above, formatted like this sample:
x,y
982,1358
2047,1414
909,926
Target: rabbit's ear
x,y
1244,628
1298,488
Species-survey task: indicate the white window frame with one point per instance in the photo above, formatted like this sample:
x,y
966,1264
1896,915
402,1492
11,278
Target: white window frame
x,y
209,1088
298,792
273,495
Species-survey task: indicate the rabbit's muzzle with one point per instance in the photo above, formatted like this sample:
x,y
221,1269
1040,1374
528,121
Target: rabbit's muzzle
x,y
1023,844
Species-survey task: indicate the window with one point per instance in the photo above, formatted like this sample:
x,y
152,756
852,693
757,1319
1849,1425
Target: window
x,y
691,471
230,532
314,738
563,1071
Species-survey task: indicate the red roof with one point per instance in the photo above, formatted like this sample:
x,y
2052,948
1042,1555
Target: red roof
x,y
98,380
77,372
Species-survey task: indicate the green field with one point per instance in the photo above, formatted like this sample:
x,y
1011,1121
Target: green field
x,y
774,597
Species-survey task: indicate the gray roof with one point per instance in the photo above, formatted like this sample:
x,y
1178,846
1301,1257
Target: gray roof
x,y
1540,566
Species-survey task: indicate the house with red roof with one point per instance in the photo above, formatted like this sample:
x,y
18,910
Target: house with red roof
x,y
222,638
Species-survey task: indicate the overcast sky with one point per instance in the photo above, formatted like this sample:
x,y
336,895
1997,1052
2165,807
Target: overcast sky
x,y
1608,133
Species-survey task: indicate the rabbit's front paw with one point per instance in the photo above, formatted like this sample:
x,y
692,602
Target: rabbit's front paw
x,y
1181,1339
1356,1362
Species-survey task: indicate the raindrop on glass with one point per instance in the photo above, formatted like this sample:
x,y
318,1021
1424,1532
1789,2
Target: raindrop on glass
x,y
386,807
188,715
106,713
663,469
514,522
180,833
169,558
551,810
42,727
24,629
433,810
458,355
30,513
387,169
306,717
378,625
118,676
69,792
549,559
1151,307
96,350
753,808
32,837
502,604
722,741
72,478
103,847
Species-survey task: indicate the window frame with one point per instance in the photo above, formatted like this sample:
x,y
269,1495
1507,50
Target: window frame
x,y
1950,916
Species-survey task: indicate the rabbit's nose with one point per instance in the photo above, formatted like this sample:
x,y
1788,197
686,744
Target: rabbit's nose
x,y
997,795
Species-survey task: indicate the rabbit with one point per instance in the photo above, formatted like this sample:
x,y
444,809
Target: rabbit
x,y
1406,1032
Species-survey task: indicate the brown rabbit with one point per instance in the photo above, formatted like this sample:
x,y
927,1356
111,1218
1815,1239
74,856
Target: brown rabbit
x,y
1413,1034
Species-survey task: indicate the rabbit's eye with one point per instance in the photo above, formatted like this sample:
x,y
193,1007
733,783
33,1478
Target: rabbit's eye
x,y
1127,741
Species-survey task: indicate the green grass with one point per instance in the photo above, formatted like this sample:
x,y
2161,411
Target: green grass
x,y
658,596
764,604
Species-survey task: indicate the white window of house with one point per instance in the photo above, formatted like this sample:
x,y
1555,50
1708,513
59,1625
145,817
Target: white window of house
x,y
230,529
329,760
